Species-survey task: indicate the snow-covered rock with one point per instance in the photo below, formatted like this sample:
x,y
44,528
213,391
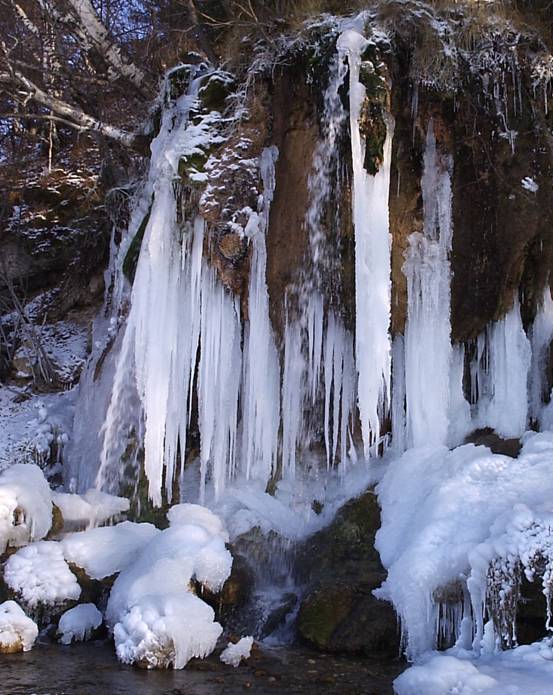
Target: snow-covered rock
x,y
93,508
17,631
25,505
102,552
39,574
156,620
234,653
77,624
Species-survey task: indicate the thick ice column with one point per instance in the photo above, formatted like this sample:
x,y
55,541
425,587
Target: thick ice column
x,y
505,405
428,350
372,258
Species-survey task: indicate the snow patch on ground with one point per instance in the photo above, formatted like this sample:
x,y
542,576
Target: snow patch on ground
x,y
30,424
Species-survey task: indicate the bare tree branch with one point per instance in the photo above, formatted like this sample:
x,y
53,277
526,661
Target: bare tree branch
x,y
65,110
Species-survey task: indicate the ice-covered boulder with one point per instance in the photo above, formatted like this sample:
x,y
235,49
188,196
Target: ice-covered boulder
x,y
78,624
93,508
103,552
17,631
233,654
25,506
157,621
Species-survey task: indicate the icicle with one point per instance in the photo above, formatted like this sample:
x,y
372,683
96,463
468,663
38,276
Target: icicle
x,y
428,330
372,258
460,423
292,397
339,389
218,380
315,321
398,394
261,398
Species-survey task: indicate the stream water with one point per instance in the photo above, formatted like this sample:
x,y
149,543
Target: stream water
x,y
92,669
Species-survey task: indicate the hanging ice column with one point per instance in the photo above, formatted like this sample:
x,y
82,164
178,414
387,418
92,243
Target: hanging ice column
x,y
372,258
428,351
261,379
540,338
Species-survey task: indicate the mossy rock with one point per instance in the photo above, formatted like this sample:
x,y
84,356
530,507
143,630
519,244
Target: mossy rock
x,y
321,613
339,568
214,92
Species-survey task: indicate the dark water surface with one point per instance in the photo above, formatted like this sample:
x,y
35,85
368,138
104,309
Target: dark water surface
x,y
91,669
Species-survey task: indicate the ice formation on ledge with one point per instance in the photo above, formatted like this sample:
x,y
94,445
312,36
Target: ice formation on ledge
x,y
17,631
500,375
93,508
233,654
40,575
449,516
77,624
156,620
25,505
372,257
103,552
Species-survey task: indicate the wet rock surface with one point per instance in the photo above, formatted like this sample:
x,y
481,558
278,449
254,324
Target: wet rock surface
x,y
341,568
92,669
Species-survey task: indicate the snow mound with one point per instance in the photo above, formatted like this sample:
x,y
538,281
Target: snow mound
x,y
93,508
25,505
101,552
449,516
77,624
443,675
156,619
526,669
17,631
40,575
234,653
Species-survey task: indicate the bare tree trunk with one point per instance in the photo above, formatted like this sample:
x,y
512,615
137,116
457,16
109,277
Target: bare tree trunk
x,y
99,36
